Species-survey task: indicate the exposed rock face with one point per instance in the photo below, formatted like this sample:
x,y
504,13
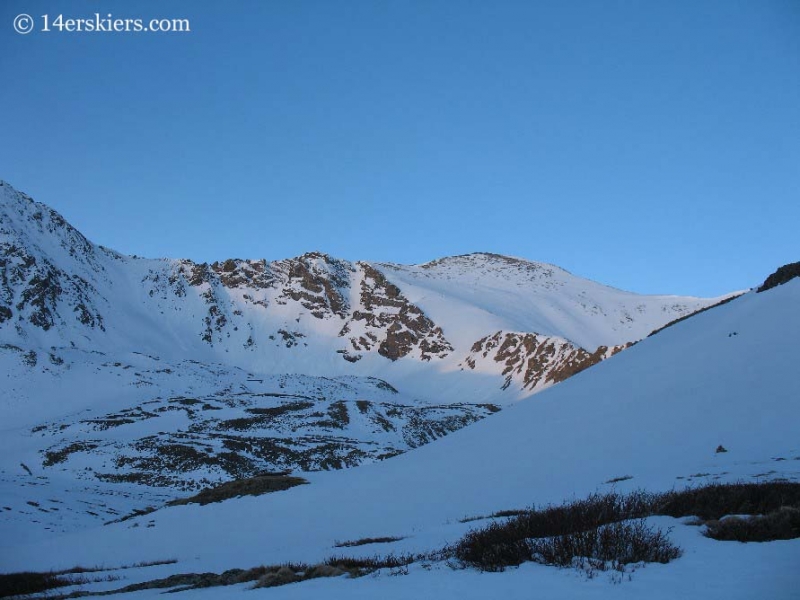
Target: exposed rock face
x,y
251,274
315,282
34,289
392,323
48,292
318,282
532,360
781,276
374,314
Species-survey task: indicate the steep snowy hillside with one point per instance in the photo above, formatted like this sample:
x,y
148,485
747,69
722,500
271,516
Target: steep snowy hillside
x,y
653,417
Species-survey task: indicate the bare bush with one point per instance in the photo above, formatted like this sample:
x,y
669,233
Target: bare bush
x,y
782,524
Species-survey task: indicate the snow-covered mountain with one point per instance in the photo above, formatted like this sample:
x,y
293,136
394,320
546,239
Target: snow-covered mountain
x,y
313,314
128,380
710,399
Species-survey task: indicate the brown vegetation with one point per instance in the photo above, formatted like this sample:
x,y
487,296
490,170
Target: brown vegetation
x,y
253,486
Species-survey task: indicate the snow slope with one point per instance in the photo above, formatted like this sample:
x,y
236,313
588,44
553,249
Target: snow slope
x,y
484,293
655,413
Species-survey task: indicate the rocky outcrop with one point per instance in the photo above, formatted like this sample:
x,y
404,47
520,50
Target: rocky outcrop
x,y
531,360
392,324
318,282
782,275
379,319
36,288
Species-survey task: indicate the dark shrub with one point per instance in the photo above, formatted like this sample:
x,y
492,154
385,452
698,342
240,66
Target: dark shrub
x,y
494,547
367,541
368,565
599,528
782,524
253,486
717,500
608,545
20,584
505,544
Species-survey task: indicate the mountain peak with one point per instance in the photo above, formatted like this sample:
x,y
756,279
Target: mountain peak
x,y
475,258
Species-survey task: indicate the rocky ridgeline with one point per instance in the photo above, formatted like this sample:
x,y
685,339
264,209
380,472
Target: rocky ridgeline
x,y
373,313
53,279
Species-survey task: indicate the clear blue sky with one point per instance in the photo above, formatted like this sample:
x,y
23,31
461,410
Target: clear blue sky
x,y
654,146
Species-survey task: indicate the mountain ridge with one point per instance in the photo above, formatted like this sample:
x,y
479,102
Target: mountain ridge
x,y
313,313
